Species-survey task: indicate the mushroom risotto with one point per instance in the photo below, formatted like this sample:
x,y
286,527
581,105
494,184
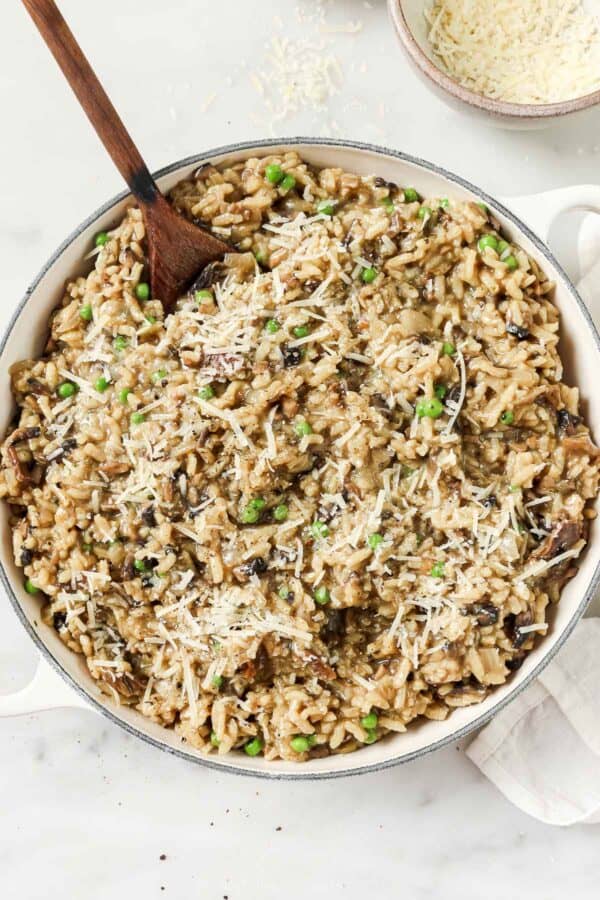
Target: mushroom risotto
x,y
333,491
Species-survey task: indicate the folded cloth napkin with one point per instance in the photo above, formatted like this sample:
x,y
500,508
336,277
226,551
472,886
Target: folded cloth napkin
x,y
543,750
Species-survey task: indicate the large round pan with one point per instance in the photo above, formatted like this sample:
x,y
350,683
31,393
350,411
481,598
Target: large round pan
x,y
62,678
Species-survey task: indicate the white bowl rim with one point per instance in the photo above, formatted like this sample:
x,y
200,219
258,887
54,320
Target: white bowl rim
x,y
356,768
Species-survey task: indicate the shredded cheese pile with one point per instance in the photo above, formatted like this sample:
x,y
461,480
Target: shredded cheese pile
x,y
532,51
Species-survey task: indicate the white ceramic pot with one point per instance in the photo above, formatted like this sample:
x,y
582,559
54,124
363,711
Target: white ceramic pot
x,y
62,678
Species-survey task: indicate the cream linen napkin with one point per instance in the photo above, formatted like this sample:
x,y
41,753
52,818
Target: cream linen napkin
x,y
543,750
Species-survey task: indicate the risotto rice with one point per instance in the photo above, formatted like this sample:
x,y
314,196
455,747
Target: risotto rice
x,y
335,490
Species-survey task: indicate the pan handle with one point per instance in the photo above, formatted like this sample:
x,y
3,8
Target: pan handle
x,y
46,690
539,211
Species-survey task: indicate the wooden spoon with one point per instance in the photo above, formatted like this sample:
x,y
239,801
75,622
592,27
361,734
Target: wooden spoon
x,y
177,249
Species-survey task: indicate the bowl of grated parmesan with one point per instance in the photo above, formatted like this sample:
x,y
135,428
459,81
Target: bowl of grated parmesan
x,y
525,65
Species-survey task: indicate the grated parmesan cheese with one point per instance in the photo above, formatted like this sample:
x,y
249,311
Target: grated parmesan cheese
x,y
538,51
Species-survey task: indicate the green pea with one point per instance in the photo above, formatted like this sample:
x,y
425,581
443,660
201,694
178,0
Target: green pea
x,y
199,296
511,263
142,291
124,394
503,246
375,540
514,488
482,207
137,418
281,512
30,587
288,183
369,722
430,409
151,320
217,681
303,428
437,570
272,326
440,391
260,257
253,747
448,349
319,529
101,238
487,240
444,203
301,743
207,392
301,331
214,739
410,195
424,212
274,173
369,275
322,595
85,313
140,565
507,417
388,204
120,342
283,592
325,207
101,384
159,375
251,513
370,737
66,389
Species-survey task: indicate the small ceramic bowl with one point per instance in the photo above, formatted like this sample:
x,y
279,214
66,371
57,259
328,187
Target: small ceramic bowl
x,y
411,28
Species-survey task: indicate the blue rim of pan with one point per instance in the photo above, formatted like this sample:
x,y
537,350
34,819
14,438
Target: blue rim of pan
x,y
303,773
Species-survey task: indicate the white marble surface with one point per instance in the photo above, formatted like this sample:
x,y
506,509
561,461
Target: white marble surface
x,y
86,811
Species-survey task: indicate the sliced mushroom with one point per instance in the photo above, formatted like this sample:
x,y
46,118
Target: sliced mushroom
x,y
129,686
318,666
17,437
563,535
580,444
567,423
485,613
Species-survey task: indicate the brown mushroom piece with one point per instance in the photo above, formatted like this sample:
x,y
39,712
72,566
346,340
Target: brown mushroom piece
x,y
485,613
513,625
563,535
580,444
127,685
209,274
317,665
259,669
17,437
567,423
37,388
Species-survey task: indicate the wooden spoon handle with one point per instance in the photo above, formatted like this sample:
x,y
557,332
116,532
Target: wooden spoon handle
x,y
93,98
